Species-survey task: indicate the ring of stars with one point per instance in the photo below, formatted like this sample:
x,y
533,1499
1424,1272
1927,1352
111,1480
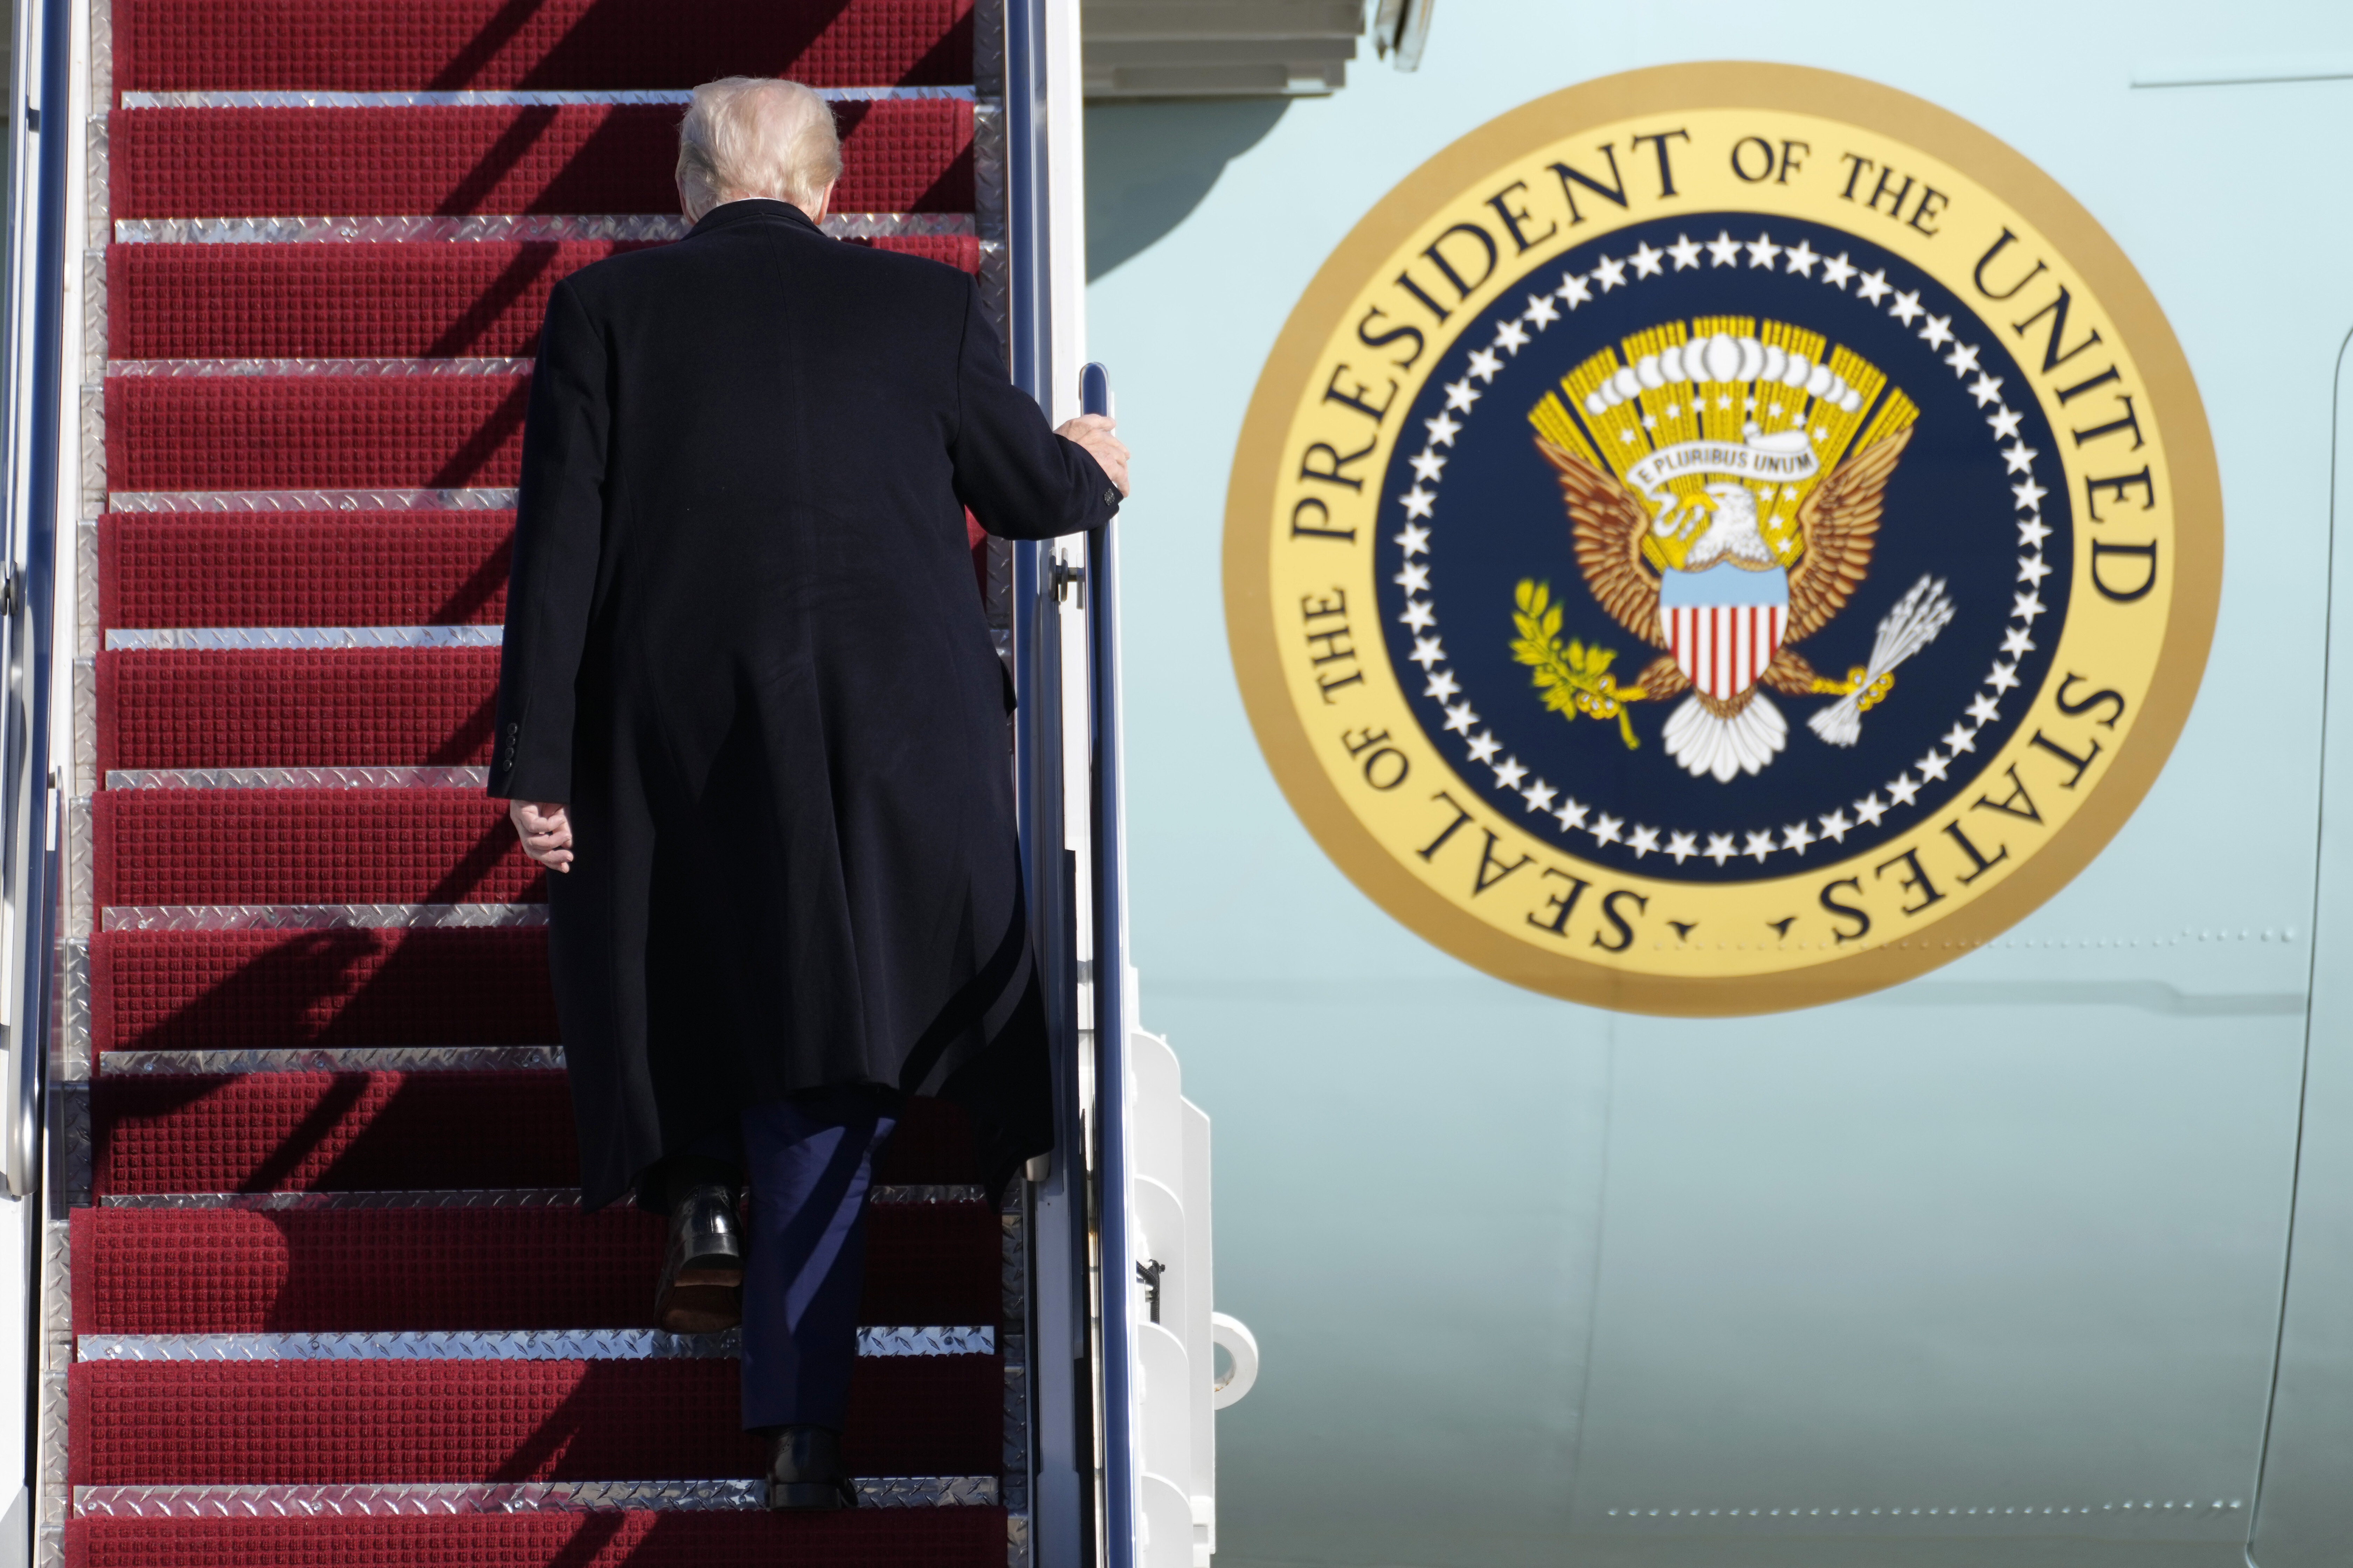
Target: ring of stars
x,y
1419,536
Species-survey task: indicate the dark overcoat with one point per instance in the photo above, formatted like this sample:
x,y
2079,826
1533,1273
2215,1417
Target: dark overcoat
x,y
745,646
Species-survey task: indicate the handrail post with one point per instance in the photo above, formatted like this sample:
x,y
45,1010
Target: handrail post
x,y
1061,1381
1122,1477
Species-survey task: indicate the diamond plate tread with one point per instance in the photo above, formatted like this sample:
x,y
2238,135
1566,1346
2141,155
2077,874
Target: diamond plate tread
x,y
320,917
57,1402
79,849
56,1285
297,778
85,741
515,1344
515,97
480,498
415,1198
97,205
388,1271
332,1060
206,638
526,227
102,51
350,367
627,228
72,1059
989,168
942,1192
88,613
348,1422
94,475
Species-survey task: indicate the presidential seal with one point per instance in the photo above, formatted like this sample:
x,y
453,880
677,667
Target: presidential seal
x,y
1721,539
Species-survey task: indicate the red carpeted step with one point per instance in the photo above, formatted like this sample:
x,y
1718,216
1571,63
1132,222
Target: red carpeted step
x,y
390,1131
296,707
289,1132
391,46
868,1538
307,847
303,569
241,1271
333,301
297,1423
896,156
322,432
481,298
216,990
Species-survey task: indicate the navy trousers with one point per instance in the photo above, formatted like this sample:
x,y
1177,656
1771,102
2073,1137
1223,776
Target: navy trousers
x,y
809,1162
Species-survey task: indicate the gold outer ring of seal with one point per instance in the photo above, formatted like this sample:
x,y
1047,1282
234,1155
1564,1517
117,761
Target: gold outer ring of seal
x,y
2165,708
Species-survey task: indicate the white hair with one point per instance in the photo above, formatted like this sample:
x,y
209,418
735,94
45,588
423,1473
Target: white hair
x,y
755,136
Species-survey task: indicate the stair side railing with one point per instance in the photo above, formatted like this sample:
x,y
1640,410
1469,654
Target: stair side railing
x,y
40,134
1065,1526
30,430
1114,1151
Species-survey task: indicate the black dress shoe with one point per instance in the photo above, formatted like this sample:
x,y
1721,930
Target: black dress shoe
x,y
702,1288
805,1470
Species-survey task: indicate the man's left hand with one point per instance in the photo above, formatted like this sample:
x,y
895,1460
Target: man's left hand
x,y
546,829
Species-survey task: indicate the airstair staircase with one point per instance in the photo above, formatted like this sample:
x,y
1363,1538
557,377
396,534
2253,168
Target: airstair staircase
x,y
331,1295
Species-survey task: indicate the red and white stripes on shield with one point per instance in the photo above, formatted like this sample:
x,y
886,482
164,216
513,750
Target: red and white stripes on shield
x,y
1724,647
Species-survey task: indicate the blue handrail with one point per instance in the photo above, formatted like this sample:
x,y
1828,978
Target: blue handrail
x,y
30,798
1122,1477
1063,1520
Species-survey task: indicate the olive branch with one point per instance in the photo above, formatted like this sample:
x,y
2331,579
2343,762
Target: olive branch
x,y
1574,678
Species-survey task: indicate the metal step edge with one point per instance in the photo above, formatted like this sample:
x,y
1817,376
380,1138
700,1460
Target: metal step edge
x,y
320,917
206,639
480,498
515,1345
473,778
882,1193
332,1058
541,98
426,1499
411,227
171,369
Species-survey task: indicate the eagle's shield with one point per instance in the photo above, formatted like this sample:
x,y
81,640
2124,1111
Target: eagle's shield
x,y
1724,625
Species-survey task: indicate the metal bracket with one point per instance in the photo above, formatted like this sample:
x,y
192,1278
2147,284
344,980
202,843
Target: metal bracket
x,y
1070,581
